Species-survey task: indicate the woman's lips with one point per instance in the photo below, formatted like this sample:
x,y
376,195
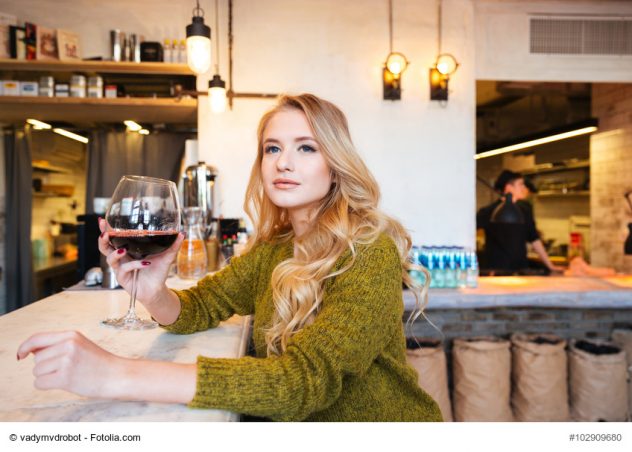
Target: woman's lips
x,y
285,184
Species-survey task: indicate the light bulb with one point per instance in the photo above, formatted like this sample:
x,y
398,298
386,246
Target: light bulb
x,y
199,54
396,63
446,64
217,98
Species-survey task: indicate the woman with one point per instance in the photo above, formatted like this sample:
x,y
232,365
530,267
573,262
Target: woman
x,y
322,276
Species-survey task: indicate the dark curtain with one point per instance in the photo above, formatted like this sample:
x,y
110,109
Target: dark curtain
x,y
112,155
19,266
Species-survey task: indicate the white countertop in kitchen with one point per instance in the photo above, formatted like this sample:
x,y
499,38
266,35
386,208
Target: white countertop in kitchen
x,y
83,311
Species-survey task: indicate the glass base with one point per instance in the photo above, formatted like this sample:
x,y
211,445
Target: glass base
x,y
130,323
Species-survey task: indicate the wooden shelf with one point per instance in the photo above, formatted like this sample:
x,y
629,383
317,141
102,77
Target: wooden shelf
x,y
552,193
49,168
44,194
557,168
91,110
96,67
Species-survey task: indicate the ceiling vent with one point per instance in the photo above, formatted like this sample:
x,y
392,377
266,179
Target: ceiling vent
x,y
581,36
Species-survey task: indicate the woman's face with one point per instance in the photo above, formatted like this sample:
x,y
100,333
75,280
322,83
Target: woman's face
x,y
294,171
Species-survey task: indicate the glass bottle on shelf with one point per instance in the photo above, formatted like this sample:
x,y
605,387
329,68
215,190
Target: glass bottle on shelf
x,y
192,259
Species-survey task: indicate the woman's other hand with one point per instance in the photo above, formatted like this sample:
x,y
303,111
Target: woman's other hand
x,y
68,360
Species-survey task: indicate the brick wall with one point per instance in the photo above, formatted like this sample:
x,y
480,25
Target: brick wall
x,y
611,174
567,323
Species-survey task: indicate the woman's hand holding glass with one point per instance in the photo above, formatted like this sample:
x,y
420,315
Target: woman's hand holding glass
x,y
150,284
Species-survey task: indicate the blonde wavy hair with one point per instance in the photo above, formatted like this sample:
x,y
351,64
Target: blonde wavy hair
x,y
348,215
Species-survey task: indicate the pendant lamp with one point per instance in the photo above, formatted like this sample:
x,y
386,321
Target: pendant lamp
x,y
198,42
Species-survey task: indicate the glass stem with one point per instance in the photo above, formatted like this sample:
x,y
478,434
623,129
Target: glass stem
x,y
131,313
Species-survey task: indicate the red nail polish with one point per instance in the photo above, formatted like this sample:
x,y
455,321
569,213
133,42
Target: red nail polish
x,y
146,263
17,356
120,250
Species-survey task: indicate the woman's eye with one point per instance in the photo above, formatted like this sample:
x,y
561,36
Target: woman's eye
x,y
271,149
307,148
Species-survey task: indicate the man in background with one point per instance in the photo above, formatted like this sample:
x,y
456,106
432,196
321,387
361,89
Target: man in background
x,y
506,244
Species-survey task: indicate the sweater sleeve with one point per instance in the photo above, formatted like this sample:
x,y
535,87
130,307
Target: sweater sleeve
x,y
217,297
362,309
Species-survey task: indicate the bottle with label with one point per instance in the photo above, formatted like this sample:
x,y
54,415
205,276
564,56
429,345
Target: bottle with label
x,y
415,258
192,259
472,270
450,268
427,259
182,54
439,272
168,51
461,272
575,247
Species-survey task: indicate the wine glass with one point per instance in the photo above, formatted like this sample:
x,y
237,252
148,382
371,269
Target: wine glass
x,y
144,219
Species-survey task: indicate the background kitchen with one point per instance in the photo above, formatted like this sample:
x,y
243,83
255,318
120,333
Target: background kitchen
x,y
420,141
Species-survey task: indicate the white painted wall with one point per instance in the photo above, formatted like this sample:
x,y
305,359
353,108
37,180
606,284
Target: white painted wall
x,y
502,43
420,152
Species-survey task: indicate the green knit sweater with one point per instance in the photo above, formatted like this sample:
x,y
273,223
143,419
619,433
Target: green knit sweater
x,y
348,365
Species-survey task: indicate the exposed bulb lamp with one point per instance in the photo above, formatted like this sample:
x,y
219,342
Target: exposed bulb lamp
x,y
396,63
394,66
217,94
217,86
445,65
198,42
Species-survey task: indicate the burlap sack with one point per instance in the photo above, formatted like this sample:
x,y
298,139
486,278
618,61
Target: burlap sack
x,y
432,369
539,376
598,382
481,369
623,338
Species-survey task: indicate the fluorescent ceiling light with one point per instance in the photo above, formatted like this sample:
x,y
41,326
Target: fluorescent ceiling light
x,y
71,135
133,126
38,125
143,132
536,142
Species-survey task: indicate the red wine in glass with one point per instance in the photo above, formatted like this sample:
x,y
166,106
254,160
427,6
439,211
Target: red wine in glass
x,y
140,244
144,219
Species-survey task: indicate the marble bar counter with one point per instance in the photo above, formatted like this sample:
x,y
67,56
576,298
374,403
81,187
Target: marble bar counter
x,y
533,291
83,311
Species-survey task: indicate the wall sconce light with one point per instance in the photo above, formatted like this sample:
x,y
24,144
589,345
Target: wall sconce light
x,y
445,65
198,42
396,63
394,66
